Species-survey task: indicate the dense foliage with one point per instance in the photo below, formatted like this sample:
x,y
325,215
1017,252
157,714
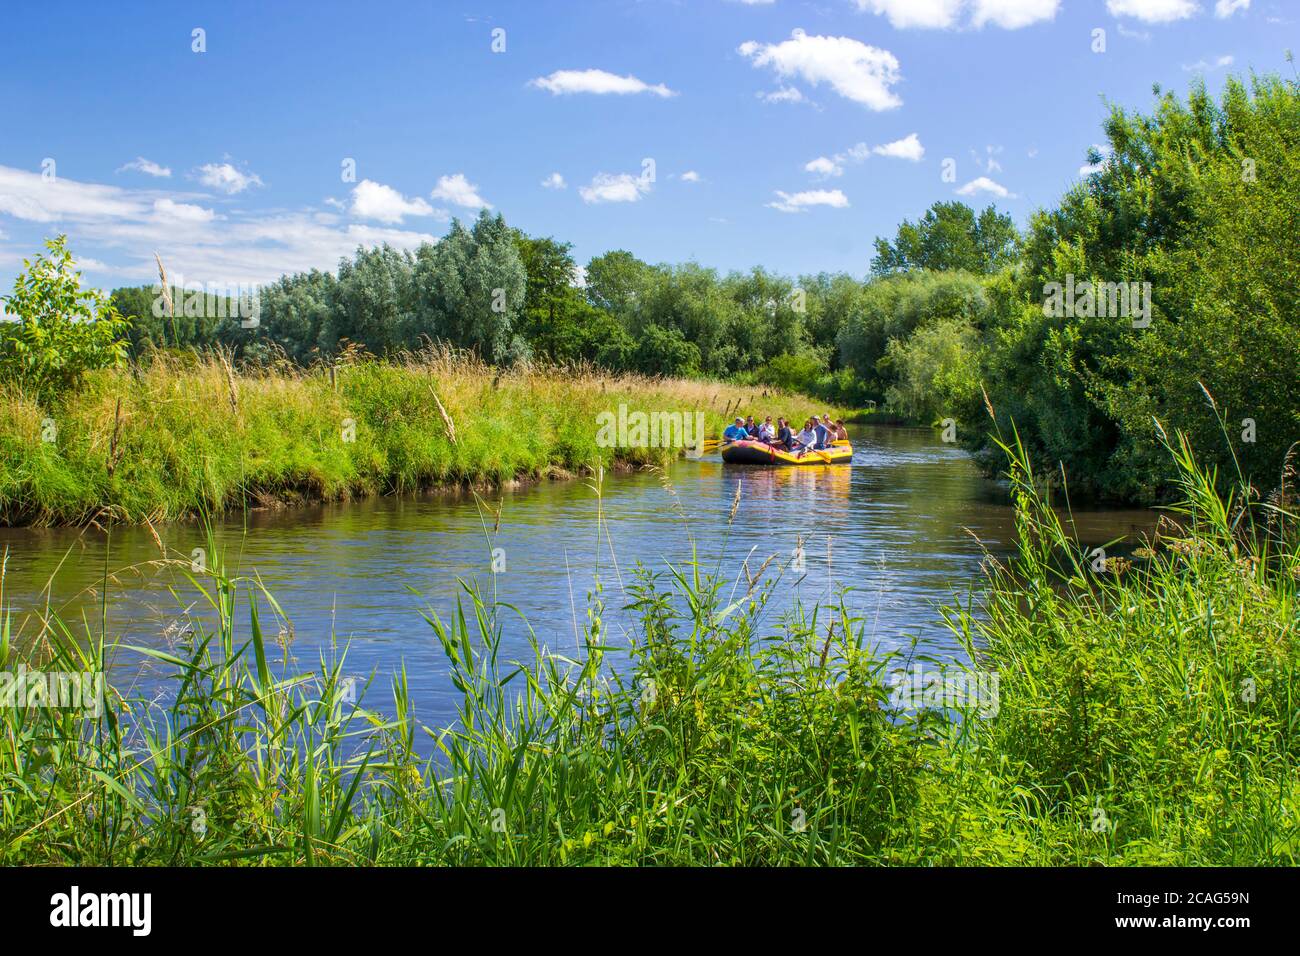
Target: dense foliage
x,y
1177,254
1143,714
1201,200
175,435
57,330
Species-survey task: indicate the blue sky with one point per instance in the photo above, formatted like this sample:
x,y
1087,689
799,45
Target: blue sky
x,y
787,134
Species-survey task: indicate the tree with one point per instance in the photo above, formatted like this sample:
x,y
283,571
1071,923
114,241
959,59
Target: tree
x,y
949,237
297,311
470,290
373,301
615,280
61,330
894,308
1198,201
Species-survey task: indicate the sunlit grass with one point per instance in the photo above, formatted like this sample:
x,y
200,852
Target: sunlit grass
x,y
1147,713
193,434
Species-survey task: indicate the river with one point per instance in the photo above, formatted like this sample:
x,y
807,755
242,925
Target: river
x,y
899,527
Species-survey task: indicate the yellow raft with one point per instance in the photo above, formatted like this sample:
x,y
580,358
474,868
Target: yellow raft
x,y
758,453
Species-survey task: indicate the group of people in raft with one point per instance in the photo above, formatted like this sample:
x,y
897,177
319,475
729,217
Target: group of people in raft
x,y
815,434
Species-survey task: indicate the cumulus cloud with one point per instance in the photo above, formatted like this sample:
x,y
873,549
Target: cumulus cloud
x,y
927,14
1153,11
1013,14
554,181
459,191
247,248
800,202
823,166
909,147
372,200
982,184
227,178
567,82
146,166
946,14
606,187
167,210
1226,8
690,176
858,72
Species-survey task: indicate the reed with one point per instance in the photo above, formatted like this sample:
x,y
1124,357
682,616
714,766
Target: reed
x,y
182,433
1147,713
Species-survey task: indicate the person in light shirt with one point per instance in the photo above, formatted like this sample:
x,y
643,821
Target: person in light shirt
x,y
806,438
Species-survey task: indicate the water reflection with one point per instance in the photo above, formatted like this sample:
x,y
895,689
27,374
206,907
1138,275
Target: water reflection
x,y
899,527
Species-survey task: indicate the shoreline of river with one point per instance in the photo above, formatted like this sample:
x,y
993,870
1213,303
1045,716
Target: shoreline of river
x,y
180,437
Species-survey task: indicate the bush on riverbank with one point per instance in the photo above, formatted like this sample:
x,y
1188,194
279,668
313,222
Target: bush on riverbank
x,y
182,433
1144,713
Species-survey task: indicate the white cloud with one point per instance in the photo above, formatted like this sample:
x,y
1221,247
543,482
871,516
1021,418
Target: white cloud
x,y
146,166
136,222
30,196
946,14
756,3
554,181
927,14
1226,8
799,202
909,147
1013,14
565,82
459,191
690,176
605,187
227,178
372,200
982,184
784,94
1203,66
167,210
1153,11
854,70
824,166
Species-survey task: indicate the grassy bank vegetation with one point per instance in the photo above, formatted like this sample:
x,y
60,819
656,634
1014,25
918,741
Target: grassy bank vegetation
x,y
176,434
1147,713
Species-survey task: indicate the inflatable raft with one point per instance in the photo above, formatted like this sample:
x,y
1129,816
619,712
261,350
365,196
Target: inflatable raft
x,y
758,453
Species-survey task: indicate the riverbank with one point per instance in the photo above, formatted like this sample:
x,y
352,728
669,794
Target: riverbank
x,y
1121,712
181,435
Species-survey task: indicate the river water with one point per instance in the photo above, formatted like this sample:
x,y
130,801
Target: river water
x,y
899,528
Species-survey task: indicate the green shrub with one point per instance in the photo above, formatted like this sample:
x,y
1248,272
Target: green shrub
x,y
62,330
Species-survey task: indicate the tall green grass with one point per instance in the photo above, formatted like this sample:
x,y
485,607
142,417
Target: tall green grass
x,y
1147,714
180,434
